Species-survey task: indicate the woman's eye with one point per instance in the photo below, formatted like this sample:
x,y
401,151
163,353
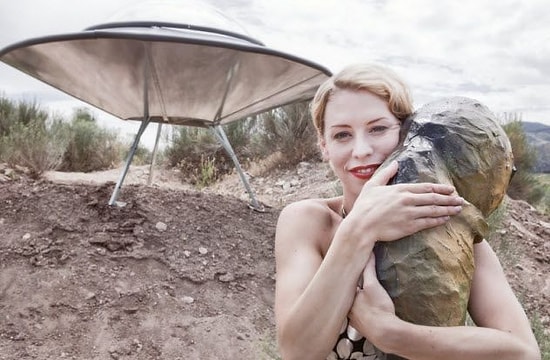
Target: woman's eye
x,y
341,135
378,129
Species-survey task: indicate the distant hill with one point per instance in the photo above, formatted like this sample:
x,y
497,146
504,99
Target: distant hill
x,y
539,137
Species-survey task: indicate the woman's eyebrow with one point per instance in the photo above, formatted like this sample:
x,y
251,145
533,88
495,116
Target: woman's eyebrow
x,y
390,121
377,120
339,126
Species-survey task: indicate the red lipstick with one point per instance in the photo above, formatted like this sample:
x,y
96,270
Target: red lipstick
x,y
364,172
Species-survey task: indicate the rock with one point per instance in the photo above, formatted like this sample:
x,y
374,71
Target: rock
x,y
454,141
226,278
160,226
188,299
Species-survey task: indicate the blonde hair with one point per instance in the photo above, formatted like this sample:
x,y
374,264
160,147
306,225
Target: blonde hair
x,y
376,79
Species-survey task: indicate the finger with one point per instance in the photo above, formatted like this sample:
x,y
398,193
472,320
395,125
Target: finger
x,y
422,188
383,176
369,273
434,211
433,199
427,223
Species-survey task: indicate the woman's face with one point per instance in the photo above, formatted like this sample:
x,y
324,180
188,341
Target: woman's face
x,y
360,133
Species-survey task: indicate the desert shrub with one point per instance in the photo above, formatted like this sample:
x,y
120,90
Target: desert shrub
x,y
206,174
241,134
20,113
28,137
286,131
201,158
34,145
289,131
6,107
542,336
543,205
142,155
524,185
187,149
186,142
89,147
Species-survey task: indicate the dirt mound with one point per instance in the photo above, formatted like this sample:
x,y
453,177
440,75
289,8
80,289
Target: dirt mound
x,y
175,273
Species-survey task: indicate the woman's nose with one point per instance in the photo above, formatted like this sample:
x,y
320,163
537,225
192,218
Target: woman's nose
x,y
362,147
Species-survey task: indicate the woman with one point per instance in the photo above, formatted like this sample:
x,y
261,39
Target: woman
x,y
324,246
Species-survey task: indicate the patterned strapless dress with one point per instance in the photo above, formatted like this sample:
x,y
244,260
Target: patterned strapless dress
x,y
352,345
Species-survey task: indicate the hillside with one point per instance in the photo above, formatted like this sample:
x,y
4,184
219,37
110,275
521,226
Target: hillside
x,y
175,273
539,137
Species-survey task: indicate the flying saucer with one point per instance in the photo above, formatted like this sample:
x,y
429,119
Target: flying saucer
x,y
190,74
189,65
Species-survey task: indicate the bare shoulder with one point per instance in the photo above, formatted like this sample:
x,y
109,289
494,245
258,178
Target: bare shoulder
x,y
310,222
308,207
318,212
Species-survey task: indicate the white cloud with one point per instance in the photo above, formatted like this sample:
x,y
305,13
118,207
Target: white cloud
x,y
497,52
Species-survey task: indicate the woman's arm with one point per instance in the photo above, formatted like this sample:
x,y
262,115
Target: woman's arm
x,y
315,290
313,295
502,331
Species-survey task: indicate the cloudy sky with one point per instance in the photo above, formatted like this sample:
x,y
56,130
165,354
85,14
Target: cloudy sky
x,y
495,51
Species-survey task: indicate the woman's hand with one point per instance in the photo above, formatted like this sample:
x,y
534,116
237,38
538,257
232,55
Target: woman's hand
x,y
372,308
497,336
372,298
395,211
